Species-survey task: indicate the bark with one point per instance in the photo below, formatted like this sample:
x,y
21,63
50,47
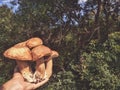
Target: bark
x,y
97,17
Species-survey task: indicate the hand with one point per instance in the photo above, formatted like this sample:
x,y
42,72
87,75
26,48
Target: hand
x,y
18,83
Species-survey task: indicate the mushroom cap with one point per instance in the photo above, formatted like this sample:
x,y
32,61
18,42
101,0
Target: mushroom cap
x,y
22,44
33,42
40,51
51,56
18,53
54,54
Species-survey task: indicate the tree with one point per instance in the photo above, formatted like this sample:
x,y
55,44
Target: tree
x,y
71,29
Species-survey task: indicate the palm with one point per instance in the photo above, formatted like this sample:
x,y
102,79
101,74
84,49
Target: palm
x,y
18,83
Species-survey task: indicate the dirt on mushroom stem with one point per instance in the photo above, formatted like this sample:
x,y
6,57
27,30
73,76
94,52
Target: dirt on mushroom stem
x,y
39,74
25,70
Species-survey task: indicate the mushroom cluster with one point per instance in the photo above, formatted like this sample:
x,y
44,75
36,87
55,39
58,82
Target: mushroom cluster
x,y
32,50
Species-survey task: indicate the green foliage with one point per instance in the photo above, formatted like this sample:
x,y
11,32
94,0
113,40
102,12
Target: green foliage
x,y
82,65
62,79
6,71
9,34
103,64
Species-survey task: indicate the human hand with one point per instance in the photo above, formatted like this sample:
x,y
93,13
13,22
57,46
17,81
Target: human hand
x,y
18,83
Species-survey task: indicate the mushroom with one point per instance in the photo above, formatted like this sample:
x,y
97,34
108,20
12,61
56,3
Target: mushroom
x,y
30,43
49,63
22,44
42,54
39,53
53,55
21,55
33,42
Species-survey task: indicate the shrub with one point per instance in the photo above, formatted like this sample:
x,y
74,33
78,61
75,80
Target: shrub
x,y
102,64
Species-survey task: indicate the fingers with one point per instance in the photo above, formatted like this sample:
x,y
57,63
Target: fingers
x,y
35,86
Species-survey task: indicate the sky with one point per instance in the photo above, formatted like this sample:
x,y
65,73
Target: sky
x,y
81,1
7,2
14,8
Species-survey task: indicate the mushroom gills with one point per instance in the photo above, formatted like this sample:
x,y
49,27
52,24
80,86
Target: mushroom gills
x,y
46,57
25,70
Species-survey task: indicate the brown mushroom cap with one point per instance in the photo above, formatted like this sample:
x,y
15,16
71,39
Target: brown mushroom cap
x,y
33,42
22,44
40,51
51,56
54,54
18,53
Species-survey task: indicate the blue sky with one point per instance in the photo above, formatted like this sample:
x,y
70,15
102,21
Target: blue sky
x,y
14,8
81,1
7,2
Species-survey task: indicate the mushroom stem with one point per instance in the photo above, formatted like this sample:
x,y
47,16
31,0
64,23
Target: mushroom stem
x,y
49,66
25,70
40,69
